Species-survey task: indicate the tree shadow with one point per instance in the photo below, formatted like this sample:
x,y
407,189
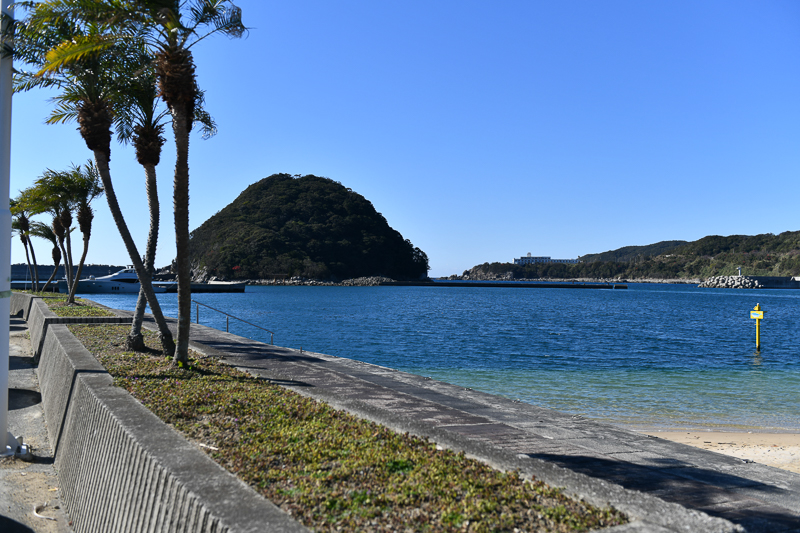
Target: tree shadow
x,y
711,491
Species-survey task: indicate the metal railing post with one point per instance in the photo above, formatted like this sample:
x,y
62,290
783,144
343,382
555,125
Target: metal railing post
x,y
228,320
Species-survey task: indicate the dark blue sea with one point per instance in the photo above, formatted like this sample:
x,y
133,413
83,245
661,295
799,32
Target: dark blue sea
x,y
652,356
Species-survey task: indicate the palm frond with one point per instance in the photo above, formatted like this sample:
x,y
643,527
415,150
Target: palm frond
x,y
71,52
221,15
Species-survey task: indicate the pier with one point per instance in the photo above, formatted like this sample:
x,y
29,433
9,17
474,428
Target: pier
x,y
506,285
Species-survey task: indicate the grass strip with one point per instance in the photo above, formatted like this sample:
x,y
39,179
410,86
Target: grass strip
x,y
331,470
57,302
79,308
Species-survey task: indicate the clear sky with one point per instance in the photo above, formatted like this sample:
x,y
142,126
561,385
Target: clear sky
x,y
485,130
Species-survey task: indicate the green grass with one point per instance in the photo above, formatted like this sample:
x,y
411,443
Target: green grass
x,y
79,308
330,470
57,302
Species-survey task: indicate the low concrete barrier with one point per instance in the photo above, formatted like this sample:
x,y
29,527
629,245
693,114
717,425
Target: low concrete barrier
x,y
40,317
21,304
120,468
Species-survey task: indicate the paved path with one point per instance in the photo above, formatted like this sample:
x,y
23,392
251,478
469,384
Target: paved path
x,y
595,459
24,485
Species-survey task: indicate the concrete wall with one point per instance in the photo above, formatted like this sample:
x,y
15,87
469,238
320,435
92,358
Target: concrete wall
x,y
40,317
775,282
120,468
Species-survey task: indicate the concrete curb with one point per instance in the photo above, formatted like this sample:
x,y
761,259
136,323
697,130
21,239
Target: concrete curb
x,y
39,316
120,468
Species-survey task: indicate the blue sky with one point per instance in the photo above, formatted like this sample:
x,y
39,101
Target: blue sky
x,y
485,130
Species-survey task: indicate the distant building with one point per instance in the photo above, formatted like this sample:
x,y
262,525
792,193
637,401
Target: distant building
x,y
529,260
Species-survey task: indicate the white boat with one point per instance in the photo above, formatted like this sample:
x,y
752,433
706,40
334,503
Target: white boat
x,y
124,281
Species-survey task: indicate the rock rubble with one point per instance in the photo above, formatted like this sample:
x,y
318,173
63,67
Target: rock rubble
x,y
371,281
730,282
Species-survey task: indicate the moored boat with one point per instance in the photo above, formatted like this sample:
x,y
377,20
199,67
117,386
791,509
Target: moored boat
x,y
124,281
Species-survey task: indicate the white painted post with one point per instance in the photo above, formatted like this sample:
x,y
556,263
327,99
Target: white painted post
x,y
9,446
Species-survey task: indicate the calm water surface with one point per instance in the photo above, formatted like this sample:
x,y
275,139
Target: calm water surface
x,y
653,355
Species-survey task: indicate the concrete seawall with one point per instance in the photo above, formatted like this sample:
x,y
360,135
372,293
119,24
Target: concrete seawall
x,y
775,282
40,318
120,468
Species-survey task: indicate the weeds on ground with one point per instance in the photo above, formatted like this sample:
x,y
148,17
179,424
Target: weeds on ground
x,y
80,308
331,470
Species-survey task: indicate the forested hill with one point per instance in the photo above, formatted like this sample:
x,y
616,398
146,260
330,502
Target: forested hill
x,y
758,255
308,226
629,253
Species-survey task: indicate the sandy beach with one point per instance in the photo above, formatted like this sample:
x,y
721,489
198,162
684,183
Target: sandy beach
x,y
781,450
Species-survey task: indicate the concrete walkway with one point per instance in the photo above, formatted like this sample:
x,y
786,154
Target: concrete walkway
x,y
28,485
601,463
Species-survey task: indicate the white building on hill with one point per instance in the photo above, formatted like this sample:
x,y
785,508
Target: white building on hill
x,y
529,260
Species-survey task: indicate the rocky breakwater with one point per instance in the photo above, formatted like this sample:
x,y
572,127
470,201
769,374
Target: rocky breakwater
x,y
371,281
731,282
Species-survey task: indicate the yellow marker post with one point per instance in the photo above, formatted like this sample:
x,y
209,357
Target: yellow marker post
x,y
757,314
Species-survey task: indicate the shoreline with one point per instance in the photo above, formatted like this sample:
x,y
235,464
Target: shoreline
x,y
776,449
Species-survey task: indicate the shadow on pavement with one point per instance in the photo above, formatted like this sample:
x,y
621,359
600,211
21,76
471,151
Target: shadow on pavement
x,y
12,526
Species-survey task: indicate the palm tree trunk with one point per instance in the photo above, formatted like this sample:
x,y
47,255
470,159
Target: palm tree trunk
x,y
180,127
35,268
73,289
135,339
53,275
67,274
27,257
101,161
71,279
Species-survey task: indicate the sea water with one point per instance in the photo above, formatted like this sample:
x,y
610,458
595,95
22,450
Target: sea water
x,y
655,356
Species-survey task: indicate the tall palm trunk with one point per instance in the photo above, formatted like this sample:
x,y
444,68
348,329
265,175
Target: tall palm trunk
x,y
59,231
94,118
101,161
66,223
57,263
74,288
181,207
24,240
35,268
135,340
176,81
85,217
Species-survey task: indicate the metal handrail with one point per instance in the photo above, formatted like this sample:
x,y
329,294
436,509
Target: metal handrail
x,y
228,321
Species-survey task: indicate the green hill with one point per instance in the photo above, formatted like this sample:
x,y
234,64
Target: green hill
x,y
308,226
758,255
629,253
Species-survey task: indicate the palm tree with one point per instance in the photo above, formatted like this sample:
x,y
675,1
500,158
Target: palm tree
x,y
22,225
176,80
89,82
141,123
43,231
171,27
61,193
46,196
84,188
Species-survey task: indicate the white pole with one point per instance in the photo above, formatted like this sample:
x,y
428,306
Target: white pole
x,y
5,242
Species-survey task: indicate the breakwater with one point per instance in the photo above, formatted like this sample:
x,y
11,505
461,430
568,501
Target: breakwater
x,y
506,285
750,282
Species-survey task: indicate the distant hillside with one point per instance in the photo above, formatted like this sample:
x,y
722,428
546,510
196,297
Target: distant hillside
x,y
629,253
758,255
310,226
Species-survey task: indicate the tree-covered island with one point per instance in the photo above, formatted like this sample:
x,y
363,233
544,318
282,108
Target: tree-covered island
x,y
313,227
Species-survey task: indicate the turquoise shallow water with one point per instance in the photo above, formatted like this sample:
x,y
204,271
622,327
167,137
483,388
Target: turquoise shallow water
x,y
669,356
